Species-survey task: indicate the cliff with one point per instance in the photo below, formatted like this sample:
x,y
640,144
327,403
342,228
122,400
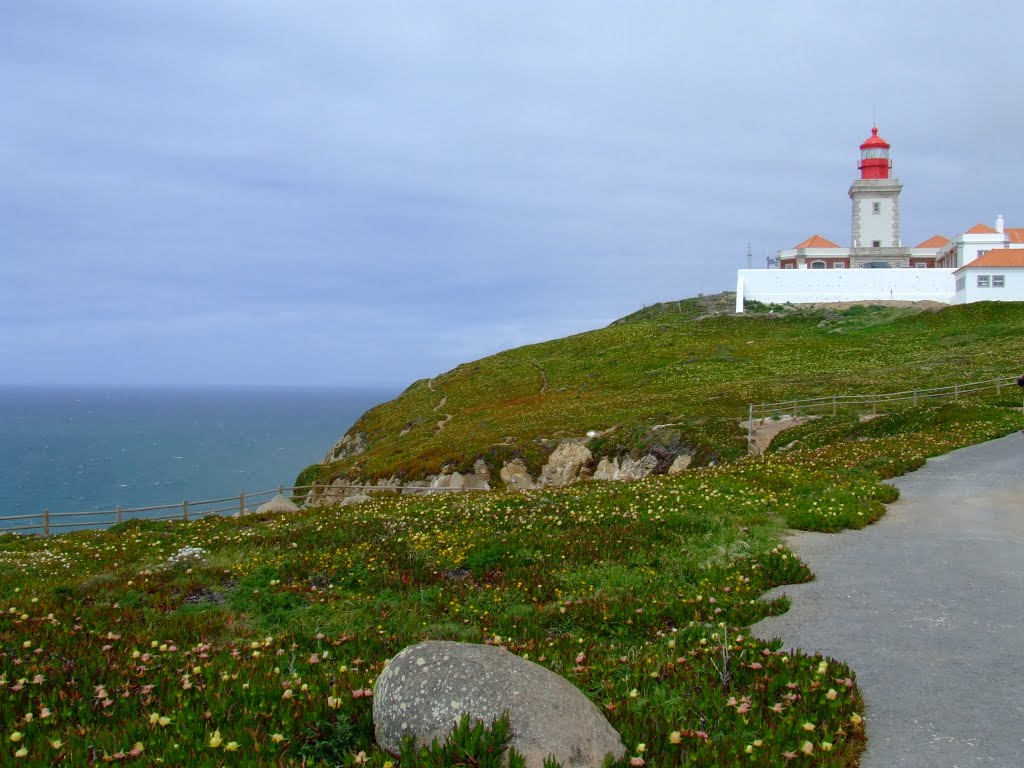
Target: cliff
x,y
657,391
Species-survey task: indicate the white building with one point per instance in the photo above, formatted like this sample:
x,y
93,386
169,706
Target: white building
x,y
977,241
878,267
994,276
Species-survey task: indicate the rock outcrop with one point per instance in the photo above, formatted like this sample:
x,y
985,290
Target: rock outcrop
x,y
680,463
359,498
428,687
457,481
277,504
569,462
515,475
349,445
626,468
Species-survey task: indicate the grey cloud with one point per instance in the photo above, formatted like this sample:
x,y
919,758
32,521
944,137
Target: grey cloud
x,y
396,185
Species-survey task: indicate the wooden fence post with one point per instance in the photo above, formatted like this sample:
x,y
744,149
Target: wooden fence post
x,y
956,392
874,406
184,510
750,430
915,397
241,504
120,514
833,405
46,522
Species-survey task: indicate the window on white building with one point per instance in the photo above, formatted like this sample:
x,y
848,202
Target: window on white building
x,y
998,281
839,265
818,265
876,207
961,284
983,281
920,265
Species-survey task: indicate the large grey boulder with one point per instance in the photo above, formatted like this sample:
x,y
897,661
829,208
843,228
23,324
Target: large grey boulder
x,y
277,504
426,689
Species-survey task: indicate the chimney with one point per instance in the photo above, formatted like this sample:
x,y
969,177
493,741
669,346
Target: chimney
x,y
999,223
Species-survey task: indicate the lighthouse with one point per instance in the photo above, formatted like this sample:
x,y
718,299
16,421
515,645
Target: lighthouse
x,y
876,206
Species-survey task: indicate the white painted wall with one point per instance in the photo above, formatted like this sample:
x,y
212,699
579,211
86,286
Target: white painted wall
x,y
1013,290
876,226
807,286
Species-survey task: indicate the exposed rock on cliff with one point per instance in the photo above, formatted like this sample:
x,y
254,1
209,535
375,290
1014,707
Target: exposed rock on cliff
x,y
349,445
515,475
569,462
626,468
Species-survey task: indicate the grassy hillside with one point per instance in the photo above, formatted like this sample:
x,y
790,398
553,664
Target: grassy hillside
x,y
256,641
678,364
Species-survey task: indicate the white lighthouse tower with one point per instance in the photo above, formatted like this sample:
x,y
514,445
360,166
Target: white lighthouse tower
x,y
876,209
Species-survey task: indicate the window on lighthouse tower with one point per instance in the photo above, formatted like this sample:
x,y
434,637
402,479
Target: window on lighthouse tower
x,y
876,207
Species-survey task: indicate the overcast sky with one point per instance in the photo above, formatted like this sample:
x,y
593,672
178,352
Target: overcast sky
x,y
349,193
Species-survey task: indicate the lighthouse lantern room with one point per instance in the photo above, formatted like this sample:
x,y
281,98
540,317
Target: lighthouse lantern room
x,y
874,157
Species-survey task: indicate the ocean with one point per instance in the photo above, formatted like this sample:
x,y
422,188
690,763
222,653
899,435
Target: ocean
x,y
69,450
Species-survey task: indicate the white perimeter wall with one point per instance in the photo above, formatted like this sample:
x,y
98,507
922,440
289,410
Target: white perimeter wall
x,y
807,286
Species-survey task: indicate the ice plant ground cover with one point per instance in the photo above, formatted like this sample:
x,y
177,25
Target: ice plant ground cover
x,y
673,364
256,641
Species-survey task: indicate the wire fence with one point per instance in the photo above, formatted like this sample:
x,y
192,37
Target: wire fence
x,y
47,522
872,403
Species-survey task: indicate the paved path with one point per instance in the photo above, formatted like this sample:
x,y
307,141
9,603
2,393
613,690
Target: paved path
x,y
927,606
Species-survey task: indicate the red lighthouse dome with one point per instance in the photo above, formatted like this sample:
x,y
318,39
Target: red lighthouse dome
x,y
874,157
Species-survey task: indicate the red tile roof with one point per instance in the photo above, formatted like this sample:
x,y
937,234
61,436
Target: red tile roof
x,y
935,241
817,241
1016,235
981,229
998,257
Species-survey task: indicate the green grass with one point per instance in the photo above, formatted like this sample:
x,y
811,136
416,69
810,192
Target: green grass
x,y
674,364
263,650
